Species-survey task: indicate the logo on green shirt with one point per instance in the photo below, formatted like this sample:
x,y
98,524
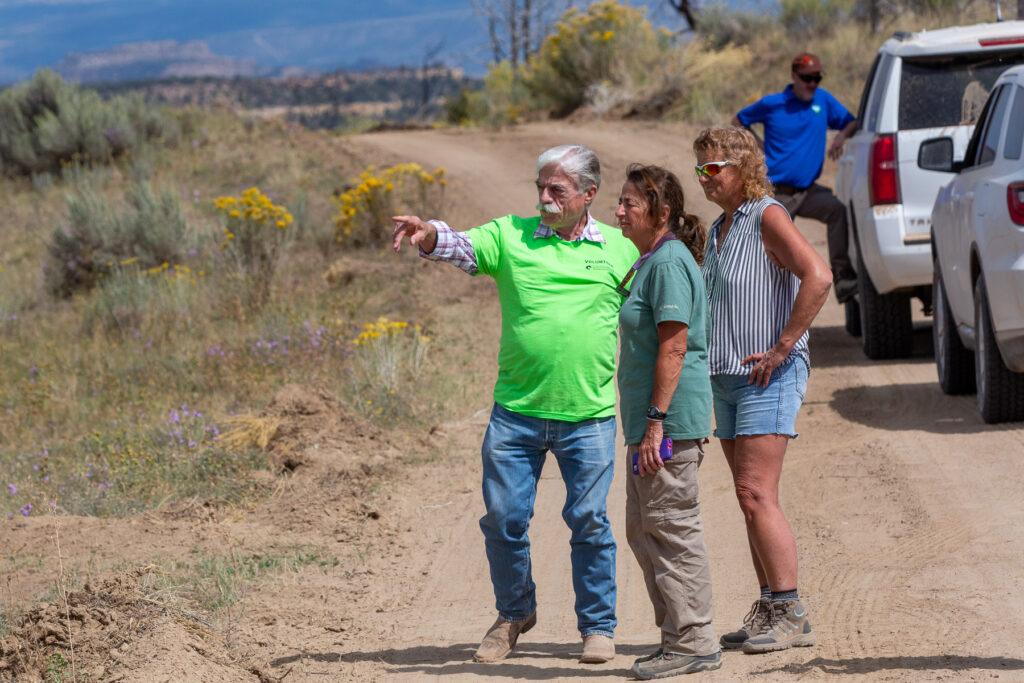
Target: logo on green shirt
x,y
598,264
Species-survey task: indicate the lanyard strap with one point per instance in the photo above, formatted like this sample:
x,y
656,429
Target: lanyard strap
x,y
621,288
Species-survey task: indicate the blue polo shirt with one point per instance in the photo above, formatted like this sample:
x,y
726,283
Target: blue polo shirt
x,y
794,133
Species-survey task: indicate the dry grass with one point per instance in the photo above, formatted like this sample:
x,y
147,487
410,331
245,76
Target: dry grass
x,y
249,431
111,401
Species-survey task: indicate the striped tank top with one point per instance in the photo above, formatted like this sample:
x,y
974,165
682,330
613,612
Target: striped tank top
x,y
751,298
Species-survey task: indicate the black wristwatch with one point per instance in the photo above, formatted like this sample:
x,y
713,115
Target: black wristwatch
x,y
654,414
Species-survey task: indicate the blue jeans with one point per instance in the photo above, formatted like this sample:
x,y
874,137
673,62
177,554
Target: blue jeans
x,y
744,409
514,450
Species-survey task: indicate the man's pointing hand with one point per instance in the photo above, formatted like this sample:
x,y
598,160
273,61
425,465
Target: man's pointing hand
x,y
420,233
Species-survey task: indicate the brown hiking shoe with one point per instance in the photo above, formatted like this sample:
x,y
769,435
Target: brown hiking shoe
x,y
752,623
787,626
501,638
597,649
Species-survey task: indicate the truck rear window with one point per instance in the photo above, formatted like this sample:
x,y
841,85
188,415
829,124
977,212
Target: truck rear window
x,y
949,90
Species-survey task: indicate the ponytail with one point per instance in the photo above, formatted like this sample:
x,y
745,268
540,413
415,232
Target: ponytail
x,y
691,232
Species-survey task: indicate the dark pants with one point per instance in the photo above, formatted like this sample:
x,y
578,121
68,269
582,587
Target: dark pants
x,y
818,202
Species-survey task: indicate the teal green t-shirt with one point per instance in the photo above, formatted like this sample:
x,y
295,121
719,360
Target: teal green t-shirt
x,y
668,287
559,317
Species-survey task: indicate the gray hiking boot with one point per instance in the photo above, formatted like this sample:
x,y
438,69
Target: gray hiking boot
x,y
757,615
646,658
670,664
787,626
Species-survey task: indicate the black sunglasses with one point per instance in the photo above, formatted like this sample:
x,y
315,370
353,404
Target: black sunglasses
x,y
810,78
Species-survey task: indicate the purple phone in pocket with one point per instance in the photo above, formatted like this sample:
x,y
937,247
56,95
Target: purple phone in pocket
x,y
665,451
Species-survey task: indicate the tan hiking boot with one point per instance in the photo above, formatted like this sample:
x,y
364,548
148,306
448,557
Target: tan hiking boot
x,y
752,623
787,626
501,638
597,649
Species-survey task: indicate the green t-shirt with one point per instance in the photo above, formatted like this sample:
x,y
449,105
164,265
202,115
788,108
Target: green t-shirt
x,y
559,311
668,287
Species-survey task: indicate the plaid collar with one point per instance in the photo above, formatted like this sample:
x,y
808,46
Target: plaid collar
x,y
590,233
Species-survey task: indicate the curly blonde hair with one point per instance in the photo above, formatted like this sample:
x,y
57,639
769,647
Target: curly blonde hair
x,y
740,146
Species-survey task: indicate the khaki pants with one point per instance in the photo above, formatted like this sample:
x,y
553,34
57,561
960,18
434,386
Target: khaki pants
x,y
665,531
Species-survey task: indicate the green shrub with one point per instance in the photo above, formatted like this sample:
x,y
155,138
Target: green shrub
x,y
609,44
143,303
369,201
96,240
255,231
46,124
504,99
603,56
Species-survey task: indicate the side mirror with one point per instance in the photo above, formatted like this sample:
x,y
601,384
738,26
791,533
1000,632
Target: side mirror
x,y
936,154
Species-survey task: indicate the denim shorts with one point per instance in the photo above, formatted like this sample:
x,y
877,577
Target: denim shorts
x,y
743,409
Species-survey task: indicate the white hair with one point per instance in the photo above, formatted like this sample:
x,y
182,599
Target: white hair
x,y
576,161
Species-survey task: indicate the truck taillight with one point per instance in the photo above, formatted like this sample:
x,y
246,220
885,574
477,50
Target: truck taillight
x,y
1015,202
1001,42
883,171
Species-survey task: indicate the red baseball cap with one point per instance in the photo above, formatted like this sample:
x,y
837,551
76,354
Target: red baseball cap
x,y
807,62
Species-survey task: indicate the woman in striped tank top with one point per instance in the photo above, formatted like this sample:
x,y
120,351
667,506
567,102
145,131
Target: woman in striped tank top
x,y
765,285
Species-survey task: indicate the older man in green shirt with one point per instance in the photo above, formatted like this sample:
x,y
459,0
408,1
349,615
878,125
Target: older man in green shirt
x,y
556,275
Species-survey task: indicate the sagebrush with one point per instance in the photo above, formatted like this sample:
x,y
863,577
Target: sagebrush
x,y
46,124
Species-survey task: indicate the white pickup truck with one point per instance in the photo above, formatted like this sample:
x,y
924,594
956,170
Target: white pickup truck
x,y
922,85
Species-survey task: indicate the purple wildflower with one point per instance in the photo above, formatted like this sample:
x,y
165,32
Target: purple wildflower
x,y
26,509
12,489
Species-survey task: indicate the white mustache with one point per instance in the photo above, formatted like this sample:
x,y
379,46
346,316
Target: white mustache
x,y
549,208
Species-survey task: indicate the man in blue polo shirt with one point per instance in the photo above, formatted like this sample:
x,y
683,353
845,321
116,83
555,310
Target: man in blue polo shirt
x,y
796,123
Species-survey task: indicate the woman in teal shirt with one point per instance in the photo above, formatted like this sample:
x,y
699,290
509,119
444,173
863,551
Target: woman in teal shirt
x,y
665,394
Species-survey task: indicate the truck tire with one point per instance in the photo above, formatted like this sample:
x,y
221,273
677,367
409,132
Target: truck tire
x,y
851,310
886,325
1000,390
953,360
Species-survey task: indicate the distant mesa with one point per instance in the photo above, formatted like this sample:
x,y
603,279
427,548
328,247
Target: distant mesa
x,y
153,60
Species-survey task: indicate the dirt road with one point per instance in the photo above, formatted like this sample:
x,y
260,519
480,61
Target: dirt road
x,y
907,508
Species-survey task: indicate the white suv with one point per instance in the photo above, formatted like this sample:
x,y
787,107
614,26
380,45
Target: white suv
x,y
922,85
978,244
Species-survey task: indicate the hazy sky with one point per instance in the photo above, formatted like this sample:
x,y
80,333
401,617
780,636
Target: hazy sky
x,y
314,34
